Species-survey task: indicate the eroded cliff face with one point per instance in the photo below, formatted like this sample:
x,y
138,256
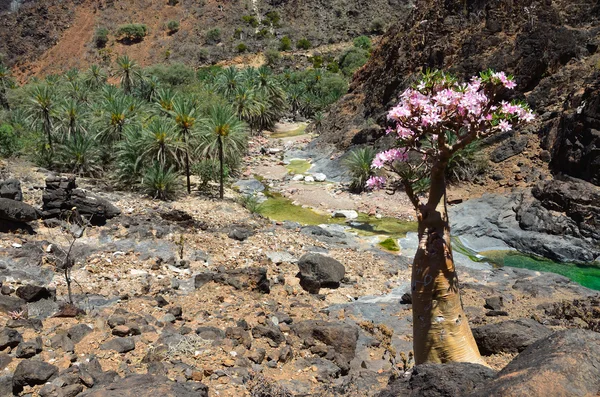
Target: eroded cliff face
x,y
550,47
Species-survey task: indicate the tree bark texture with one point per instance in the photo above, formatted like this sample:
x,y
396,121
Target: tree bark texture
x,y
440,328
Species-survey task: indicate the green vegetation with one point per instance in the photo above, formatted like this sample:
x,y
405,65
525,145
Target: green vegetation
x,y
213,36
242,47
251,203
250,20
272,57
362,42
353,59
173,27
298,166
272,18
132,32
285,44
303,44
358,163
157,125
101,37
390,244
377,26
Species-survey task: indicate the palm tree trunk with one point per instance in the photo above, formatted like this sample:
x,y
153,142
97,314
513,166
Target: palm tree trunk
x,y
48,129
187,164
221,167
440,328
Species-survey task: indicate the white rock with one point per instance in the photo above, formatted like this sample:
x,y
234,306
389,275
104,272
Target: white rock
x,y
319,177
348,214
309,178
16,245
138,272
298,177
273,150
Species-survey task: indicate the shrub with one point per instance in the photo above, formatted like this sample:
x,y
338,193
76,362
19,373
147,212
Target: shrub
x,y
353,59
263,33
358,163
317,61
333,67
272,57
251,203
9,144
242,47
80,155
272,18
132,32
285,44
173,74
377,26
363,42
173,27
250,20
208,171
213,36
303,44
101,37
160,182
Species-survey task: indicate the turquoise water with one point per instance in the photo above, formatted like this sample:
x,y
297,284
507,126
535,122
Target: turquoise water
x,y
588,276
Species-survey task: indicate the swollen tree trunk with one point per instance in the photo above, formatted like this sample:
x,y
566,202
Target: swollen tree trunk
x,y
221,167
440,328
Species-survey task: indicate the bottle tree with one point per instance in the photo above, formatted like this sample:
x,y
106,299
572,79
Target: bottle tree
x,y
434,120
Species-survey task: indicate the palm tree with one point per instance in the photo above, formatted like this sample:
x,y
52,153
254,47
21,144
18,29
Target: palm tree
x,y
129,165
95,77
245,104
80,155
41,108
71,117
128,69
5,82
117,112
224,133
164,98
185,114
228,81
160,142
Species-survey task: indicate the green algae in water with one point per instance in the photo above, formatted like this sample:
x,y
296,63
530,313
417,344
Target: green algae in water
x,y
298,166
389,244
588,276
287,134
281,209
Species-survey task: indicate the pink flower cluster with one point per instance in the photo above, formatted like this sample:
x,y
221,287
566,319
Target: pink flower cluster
x,y
389,156
503,78
375,182
517,110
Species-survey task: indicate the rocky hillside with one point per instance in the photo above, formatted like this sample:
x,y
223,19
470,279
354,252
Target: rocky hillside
x,y
551,48
48,36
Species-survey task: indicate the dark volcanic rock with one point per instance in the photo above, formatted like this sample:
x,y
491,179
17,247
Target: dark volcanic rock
x,y
33,293
440,380
11,303
252,278
318,271
17,211
6,387
9,338
29,349
566,363
11,189
120,345
149,385
31,373
511,336
61,196
239,233
342,337
509,148
272,333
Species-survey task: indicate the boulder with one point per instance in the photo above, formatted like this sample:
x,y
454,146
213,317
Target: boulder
x,y
31,373
11,303
440,380
9,338
61,196
148,385
240,233
252,278
320,177
566,363
511,336
348,214
11,189
29,349
33,293
17,211
249,186
317,271
341,337
6,387
272,333
120,345
509,148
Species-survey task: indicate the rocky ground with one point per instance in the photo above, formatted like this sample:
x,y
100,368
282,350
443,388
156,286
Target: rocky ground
x,y
200,297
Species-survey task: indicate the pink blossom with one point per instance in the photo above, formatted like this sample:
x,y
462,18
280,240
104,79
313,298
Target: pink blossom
x,y
389,156
504,126
375,182
510,84
403,132
528,116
